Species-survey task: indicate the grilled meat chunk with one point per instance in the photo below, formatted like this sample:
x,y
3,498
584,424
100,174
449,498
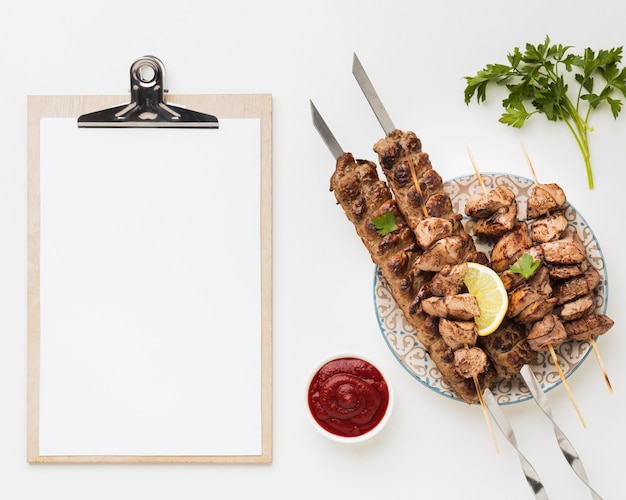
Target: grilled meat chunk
x,y
470,361
577,308
431,229
548,227
536,288
591,325
558,272
568,250
510,247
464,388
447,251
544,198
498,223
463,306
484,205
458,333
577,286
548,331
508,349
448,281
537,310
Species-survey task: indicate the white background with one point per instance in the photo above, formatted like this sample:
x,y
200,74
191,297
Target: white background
x,y
416,54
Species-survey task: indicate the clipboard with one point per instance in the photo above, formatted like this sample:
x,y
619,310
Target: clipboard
x,y
46,436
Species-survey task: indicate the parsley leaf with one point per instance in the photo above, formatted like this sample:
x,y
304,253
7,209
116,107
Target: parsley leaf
x,y
385,223
537,84
525,266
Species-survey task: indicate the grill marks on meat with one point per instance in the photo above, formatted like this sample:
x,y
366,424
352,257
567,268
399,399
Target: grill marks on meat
x,y
510,247
543,199
495,212
508,349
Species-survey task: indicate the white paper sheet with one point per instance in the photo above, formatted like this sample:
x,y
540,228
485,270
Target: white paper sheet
x,y
150,290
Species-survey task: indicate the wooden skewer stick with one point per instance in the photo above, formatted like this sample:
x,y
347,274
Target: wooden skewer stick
x,y
478,176
565,384
592,341
597,353
417,187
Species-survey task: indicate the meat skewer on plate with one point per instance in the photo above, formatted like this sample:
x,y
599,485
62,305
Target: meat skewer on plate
x,y
575,279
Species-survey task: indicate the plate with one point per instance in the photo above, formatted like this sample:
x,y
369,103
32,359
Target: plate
x,y
402,339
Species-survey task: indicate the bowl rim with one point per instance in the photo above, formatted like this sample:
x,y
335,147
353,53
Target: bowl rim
x,y
361,437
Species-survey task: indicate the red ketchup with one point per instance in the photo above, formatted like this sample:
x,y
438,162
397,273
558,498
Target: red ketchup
x,y
348,397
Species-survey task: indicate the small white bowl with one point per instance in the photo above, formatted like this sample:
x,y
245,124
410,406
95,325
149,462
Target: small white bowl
x,y
350,394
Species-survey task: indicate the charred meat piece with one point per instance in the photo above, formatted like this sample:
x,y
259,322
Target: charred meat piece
x,y
577,286
536,288
564,272
548,227
508,349
548,331
484,205
498,223
511,280
448,281
510,247
577,308
463,306
478,257
537,310
430,229
591,325
458,333
544,198
447,251
568,250
470,361
464,388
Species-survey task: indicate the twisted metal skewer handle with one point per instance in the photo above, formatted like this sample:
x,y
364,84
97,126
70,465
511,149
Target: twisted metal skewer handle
x,y
505,426
566,446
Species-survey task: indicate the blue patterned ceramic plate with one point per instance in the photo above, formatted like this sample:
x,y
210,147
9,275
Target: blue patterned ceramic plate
x,y
401,337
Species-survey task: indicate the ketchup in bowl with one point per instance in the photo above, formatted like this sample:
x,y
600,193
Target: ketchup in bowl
x,y
348,398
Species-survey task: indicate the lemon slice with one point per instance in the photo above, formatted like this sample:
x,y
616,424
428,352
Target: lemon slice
x,y
493,301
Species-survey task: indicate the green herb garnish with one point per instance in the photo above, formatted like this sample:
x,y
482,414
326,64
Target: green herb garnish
x,y
385,223
525,265
536,76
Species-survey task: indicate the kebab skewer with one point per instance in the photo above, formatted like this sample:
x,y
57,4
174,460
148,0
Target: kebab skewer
x,y
531,301
575,288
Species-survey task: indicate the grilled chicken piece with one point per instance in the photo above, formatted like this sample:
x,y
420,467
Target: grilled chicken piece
x,y
428,330
450,250
548,331
537,310
536,288
430,229
558,272
470,361
591,325
463,306
511,280
448,281
481,206
508,349
478,257
566,251
577,308
548,227
498,223
510,247
464,388
439,205
458,333
543,199
577,286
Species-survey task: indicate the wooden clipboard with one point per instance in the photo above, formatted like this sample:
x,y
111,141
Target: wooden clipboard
x,y
258,106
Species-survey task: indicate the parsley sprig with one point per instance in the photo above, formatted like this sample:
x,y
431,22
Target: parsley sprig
x,y
385,223
525,265
537,77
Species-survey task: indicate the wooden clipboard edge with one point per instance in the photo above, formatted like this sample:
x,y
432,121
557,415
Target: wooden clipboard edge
x,y
72,106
